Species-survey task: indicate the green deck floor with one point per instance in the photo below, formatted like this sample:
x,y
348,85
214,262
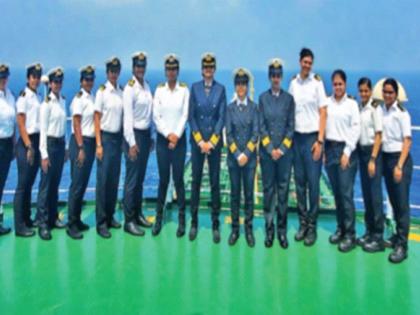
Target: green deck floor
x,y
166,275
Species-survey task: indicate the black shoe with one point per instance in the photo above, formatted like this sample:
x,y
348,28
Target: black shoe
x,y
4,230
346,245
284,243
310,237
44,233
269,237
391,242
74,233
193,232
233,238
114,224
398,255
180,232
301,233
361,241
250,239
216,235
157,227
103,232
81,226
133,229
374,246
58,224
142,221
25,232
336,237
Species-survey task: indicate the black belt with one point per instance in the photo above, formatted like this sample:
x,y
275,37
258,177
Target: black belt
x,y
333,143
56,140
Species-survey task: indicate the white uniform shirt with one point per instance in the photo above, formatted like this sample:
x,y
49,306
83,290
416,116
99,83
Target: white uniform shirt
x,y
370,123
52,121
83,105
29,103
7,114
109,102
170,109
397,126
343,122
309,95
138,102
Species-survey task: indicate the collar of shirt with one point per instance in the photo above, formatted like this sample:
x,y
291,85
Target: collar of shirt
x,y
367,106
341,101
208,84
176,86
309,78
276,94
244,102
111,87
53,97
3,94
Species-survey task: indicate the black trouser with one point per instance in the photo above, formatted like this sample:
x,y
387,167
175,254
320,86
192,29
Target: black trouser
x,y
342,184
6,156
213,160
276,178
79,177
48,186
242,176
307,173
399,194
171,159
107,178
134,175
26,178
372,193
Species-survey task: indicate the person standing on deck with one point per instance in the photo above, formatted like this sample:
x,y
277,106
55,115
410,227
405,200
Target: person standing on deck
x,y
308,91
108,132
170,115
206,117
7,134
138,102
397,166
277,127
370,163
242,133
52,147
27,151
82,150
342,135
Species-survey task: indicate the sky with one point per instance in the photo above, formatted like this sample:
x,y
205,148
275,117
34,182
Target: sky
x,y
350,34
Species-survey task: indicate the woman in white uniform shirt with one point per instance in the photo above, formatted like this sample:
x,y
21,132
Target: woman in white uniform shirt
x,y
397,166
27,150
7,133
370,162
52,149
170,114
82,150
342,135
108,130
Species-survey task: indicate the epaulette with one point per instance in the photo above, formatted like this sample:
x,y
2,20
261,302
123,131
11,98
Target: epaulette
x,y
22,93
131,82
47,99
183,84
375,103
350,97
121,88
102,87
401,106
161,84
79,94
294,77
317,77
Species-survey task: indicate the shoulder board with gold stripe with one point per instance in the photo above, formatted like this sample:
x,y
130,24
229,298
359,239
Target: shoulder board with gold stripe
x,y
350,97
183,84
318,77
102,87
131,82
375,103
47,99
79,94
22,93
161,85
401,107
